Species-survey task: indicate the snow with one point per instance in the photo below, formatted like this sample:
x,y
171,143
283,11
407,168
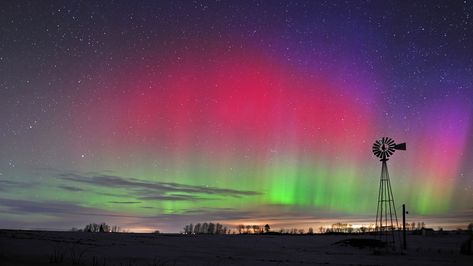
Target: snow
x,y
46,248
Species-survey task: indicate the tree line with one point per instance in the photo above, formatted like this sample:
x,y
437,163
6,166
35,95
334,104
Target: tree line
x,y
217,228
253,229
206,228
98,228
348,228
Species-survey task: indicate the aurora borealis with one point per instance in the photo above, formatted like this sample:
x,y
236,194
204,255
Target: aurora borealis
x,y
155,114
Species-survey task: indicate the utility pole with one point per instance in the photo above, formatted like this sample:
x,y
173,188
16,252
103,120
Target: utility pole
x,y
404,225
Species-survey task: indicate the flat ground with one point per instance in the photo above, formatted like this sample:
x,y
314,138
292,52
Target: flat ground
x,y
107,249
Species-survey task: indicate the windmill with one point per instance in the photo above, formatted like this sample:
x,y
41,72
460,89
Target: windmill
x,y
386,217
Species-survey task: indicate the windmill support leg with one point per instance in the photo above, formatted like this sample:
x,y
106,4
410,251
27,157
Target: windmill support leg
x,y
386,216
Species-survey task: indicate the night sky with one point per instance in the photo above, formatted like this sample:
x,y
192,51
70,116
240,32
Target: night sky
x,y
153,114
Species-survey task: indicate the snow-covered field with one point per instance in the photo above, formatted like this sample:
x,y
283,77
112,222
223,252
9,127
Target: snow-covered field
x,y
106,249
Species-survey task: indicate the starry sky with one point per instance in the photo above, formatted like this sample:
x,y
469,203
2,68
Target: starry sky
x,y
154,114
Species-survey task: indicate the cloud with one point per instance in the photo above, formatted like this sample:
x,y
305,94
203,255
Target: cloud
x,y
74,189
54,208
174,197
125,202
156,190
22,214
8,182
5,185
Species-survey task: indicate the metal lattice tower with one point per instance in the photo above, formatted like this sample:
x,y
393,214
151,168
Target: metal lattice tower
x,y
386,216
